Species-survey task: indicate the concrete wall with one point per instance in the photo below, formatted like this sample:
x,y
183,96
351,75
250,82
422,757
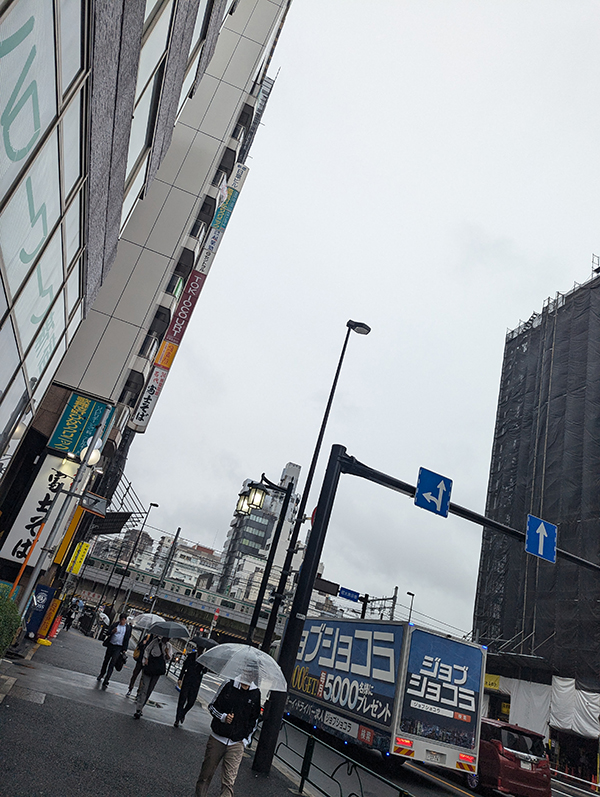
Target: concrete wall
x,y
106,345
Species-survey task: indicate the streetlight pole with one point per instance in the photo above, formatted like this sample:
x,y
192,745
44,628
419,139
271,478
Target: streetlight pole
x,y
272,551
291,638
131,555
412,597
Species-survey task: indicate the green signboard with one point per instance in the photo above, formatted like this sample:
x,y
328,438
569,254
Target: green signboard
x,y
78,423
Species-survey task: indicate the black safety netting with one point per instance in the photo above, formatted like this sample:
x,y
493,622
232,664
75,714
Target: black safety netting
x,y
546,462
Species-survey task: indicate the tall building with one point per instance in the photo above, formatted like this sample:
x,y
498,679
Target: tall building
x,y
546,462
249,541
125,129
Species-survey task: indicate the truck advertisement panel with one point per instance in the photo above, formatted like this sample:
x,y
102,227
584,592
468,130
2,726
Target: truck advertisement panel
x,y
344,681
439,714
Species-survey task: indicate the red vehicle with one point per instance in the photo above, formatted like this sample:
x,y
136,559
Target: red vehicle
x,y
512,760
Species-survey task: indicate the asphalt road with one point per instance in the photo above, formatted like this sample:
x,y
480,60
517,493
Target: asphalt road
x,y
62,735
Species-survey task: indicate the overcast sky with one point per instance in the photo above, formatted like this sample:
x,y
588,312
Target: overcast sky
x,y
430,167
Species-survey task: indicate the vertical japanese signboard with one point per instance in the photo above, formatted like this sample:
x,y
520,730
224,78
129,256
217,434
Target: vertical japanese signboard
x,y
344,681
186,304
54,472
78,558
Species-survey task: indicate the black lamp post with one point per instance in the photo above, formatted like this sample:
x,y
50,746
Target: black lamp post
x,y
412,597
254,498
291,639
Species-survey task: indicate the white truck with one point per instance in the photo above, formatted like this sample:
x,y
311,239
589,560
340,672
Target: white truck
x,y
393,687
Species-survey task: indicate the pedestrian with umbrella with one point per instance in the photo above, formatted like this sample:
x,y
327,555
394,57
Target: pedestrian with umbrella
x,y
235,709
138,657
141,622
154,662
190,679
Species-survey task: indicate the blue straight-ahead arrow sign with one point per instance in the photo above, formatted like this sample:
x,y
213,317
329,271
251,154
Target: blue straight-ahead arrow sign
x,y
541,538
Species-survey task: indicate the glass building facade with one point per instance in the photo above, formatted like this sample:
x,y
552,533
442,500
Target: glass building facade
x,y
43,101
50,129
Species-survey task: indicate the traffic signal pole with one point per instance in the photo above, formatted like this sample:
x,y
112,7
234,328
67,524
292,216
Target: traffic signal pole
x,y
340,462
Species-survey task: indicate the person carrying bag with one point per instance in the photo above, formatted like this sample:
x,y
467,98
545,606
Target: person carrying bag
x,y
138,657
154,664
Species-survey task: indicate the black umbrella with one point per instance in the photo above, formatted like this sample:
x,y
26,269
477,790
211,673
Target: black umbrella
x,y
170,629
204,643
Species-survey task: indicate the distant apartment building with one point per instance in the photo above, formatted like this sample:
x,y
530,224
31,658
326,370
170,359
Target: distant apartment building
x,y
127,125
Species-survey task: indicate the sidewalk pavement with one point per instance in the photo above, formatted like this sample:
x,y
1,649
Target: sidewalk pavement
x,y
62,735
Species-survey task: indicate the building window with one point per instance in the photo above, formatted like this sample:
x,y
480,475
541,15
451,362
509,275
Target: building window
x,y
39,283
70,41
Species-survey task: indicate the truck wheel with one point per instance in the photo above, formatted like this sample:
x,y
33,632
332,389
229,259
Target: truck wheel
x,y
473,781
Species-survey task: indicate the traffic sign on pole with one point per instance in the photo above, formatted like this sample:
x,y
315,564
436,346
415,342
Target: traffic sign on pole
x,y
349,594
541,538
433,492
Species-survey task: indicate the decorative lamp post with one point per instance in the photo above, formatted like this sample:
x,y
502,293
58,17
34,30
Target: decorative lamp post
x,y
258,491
293,632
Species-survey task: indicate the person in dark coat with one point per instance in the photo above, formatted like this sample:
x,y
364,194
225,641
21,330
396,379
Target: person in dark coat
x,y
235,711
69,617
116,641
189,684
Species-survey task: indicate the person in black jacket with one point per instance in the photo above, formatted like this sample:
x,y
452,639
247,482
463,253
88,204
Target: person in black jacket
x,y
117,640
190,679
235,711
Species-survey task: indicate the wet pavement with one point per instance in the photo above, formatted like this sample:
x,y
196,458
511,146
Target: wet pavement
x,y
62,735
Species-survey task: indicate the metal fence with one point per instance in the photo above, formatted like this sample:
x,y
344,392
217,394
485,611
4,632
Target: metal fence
x,y
329,771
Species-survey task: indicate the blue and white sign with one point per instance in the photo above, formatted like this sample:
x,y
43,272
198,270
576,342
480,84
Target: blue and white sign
x,y
442,690
349,594
344,681
433,492
541,538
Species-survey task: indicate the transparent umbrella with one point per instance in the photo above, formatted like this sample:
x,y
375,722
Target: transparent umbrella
x,y
144,621
231,660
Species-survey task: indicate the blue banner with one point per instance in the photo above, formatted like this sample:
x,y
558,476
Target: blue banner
x,y
35,615
345,678
442,690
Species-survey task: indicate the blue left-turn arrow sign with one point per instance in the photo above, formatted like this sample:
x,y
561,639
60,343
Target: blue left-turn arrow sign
x,y
541,538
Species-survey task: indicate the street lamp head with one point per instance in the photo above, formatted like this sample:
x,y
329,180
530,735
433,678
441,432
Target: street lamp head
x,y
153,504
412,594
94,457
256,496
358,326
243,506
